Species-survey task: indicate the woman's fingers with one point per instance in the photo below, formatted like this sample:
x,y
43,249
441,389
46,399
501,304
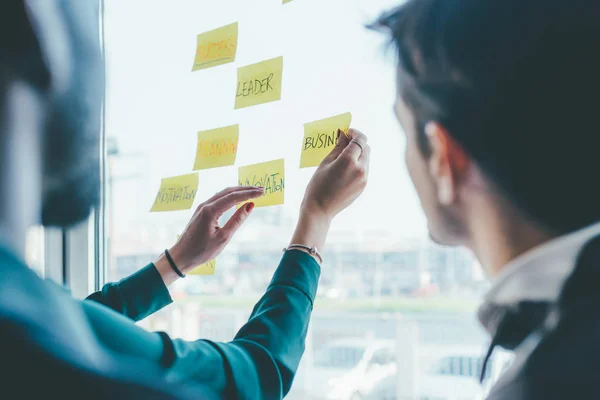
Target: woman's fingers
x,y
232,189
365,157
342,142
236,221
358,142
222,204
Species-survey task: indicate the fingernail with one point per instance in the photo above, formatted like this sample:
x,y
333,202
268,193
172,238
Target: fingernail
x,y
249,207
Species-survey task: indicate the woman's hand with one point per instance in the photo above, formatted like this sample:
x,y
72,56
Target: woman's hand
x,y
337,182
203,239
341,177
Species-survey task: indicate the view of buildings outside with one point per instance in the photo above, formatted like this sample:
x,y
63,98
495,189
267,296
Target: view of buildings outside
x,y
395,313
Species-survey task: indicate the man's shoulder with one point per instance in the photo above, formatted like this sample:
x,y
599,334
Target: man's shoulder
x,y
45,335
26,296
563,364
22,292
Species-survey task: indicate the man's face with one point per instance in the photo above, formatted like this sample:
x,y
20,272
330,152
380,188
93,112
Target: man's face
x,y
443,224
69,37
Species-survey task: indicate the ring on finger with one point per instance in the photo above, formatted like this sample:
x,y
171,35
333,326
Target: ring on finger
x,y
358,144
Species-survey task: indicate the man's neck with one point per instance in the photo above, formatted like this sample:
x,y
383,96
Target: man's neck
x,y
499,235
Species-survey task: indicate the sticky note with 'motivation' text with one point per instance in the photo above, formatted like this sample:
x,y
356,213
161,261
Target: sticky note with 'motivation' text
x,y
320,137
207,268
176,193
259,83
217,147
216,47
271,176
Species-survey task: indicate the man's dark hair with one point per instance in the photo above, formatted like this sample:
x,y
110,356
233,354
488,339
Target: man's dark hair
x,y
517,84
20,53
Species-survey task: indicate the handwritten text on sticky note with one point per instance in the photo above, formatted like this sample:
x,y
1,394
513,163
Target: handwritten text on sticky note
x,y
320,137
176,193
216,47
271,176
259,83
205,269
217,147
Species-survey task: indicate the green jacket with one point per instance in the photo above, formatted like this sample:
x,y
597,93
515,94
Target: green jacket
x,y
259,363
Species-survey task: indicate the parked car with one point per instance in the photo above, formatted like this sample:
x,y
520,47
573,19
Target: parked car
x,y
450,373
366,369
346,369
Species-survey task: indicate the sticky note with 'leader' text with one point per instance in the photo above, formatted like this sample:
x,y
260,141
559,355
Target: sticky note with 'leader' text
x,y
176,193
216,47
217,147
320,137
259,83
271,176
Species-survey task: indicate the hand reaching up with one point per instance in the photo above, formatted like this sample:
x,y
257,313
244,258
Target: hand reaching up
x,y
203,239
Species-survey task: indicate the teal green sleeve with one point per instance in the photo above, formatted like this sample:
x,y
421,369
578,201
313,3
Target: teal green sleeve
x,y
136,296
262,360
259,363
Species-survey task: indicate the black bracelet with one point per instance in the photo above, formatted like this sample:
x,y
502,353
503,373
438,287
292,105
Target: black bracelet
x,y
172,263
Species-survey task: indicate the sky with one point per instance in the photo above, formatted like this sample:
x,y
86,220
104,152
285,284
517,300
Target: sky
x,y
332,65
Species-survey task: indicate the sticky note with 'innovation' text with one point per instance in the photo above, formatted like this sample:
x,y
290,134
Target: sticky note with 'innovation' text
x,y
176,193
320,137
271,176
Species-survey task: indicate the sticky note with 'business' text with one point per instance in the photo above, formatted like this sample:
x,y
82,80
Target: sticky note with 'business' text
x,y
217,147
320,137
176,193
216,47
259,83
271,176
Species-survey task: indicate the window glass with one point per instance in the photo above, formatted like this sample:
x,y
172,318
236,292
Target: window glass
x,y
342,356
381,272
381,357
34,249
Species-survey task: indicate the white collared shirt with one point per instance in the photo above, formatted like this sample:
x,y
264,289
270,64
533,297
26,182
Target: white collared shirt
x,y
537,275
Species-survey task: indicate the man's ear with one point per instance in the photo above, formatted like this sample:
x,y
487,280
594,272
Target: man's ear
x,y
447,162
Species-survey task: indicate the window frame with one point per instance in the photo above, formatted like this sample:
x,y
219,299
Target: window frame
x,y
76,256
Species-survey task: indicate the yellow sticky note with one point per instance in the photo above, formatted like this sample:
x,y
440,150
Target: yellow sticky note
x,y
207,268
320,137
216,47
259,83
271,176
286,1
217,147
176,193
